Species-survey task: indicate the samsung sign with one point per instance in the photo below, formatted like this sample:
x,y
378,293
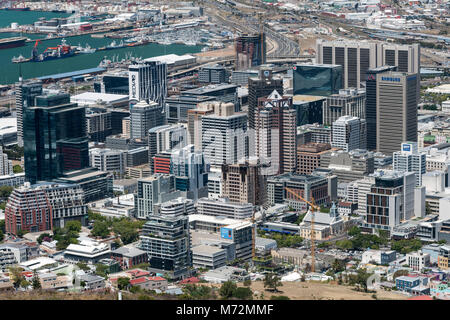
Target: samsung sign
x,y
406,147
134,85
391,79
226,233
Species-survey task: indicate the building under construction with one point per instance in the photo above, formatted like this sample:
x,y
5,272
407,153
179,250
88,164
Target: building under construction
x,y
250,51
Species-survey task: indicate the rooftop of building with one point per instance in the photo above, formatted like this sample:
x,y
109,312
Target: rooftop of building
x,y
97,96
210,88
206,249
129,251
171,58
293,177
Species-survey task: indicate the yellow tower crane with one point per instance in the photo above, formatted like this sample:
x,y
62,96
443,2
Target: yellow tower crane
x,y
313,234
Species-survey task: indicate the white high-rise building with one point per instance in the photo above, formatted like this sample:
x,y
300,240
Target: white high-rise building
x,y
349,133
6,167
148,81
108,160
409,159
144,116
224,135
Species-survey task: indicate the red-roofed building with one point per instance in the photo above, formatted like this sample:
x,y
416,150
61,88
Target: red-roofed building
x,y
137,273
190,280
150,283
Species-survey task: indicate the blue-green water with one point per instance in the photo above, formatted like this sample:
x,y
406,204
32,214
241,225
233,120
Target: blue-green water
x,y
10,71
26,17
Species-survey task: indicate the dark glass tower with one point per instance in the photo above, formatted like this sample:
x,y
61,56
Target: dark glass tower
x,y
55,138
317,79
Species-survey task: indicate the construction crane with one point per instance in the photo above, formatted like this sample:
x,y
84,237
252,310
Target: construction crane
x,y
313,207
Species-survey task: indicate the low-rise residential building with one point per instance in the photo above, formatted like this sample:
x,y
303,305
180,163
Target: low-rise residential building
x,y
150,283
444,257
129,256
92,282
408,283
53,281
418,260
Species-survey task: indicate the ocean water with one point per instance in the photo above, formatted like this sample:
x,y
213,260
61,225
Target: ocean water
x,y
10,71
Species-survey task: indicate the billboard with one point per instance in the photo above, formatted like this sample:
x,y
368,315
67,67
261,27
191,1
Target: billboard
x,y
134,85
226,233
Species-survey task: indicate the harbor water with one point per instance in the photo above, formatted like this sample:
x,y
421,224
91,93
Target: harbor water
x,y
10,70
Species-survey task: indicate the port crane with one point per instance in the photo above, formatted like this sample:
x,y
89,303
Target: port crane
x,y
313,207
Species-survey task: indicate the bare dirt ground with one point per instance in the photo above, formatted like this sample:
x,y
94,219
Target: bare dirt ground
x,y
228,51
318,291
322,291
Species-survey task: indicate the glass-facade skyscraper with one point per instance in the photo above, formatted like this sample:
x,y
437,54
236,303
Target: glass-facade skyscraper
x,y
317,79
55,138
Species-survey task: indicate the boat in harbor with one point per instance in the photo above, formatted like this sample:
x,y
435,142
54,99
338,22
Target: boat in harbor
x,y
86,49
61,51
19,59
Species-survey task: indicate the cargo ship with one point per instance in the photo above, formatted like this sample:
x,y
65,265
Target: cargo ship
x,y
62,50
12,42
18,9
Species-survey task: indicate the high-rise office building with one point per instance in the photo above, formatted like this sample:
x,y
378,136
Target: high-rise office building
x,y
224,207
189,168
6,166
357,58
148,81
396,110
212,74
261,87
98,124
371,104
309,109
145,116
166,239
114,161
250,51
349,133
165,137
224,135
243,182
309,155
26,91
55,138
348,102
195,123
390,200
409,159
317,79
275,133
152,192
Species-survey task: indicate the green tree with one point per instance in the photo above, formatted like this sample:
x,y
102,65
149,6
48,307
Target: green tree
x,y
83,266
279,298
354,231
74,226
16,276
344,244
100,229
123,283
17,169
36,283
227,289
272,281
338,265
1,236
101,270
361,279
243,293
247,283
5,191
